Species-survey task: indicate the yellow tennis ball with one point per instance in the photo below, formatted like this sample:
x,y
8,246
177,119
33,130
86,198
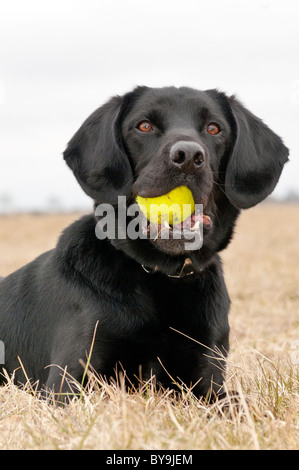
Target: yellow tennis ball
x,y
173,207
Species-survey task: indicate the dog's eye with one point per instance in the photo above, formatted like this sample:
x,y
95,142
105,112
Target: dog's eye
x,y
213,128
145,126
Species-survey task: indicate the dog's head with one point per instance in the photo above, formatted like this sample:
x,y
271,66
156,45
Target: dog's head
x,y
151,141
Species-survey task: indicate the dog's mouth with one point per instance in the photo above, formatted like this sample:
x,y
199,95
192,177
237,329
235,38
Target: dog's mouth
x,y
195,223
175,223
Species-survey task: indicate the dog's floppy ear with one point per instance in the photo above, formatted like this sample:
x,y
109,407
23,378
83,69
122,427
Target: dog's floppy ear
x,y
256,160
96,155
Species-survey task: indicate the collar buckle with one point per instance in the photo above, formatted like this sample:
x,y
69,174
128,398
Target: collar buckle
x,y
180,275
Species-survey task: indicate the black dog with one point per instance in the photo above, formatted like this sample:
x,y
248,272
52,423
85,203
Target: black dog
x,y
156,308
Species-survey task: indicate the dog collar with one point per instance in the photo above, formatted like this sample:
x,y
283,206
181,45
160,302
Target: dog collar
x,y
186,270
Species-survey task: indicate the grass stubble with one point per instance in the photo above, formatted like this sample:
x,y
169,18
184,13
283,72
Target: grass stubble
x,y
261,270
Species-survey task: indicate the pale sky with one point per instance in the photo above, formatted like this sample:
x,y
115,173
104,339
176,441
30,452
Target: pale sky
x,y
61,59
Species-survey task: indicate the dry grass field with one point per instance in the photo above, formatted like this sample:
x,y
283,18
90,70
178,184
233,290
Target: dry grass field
x,y
262,273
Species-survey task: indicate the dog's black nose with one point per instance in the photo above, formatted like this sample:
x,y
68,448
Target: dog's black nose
x,y
188,156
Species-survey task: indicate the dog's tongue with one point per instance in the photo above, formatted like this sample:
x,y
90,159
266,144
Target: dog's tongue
x,y
193,221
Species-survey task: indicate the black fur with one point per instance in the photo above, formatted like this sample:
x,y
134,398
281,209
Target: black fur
x,y
149,323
